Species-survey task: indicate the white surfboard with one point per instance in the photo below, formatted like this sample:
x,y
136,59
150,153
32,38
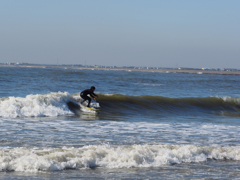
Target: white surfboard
x,y
89,108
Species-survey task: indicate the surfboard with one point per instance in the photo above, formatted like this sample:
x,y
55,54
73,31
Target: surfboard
x,y
89,108
93,109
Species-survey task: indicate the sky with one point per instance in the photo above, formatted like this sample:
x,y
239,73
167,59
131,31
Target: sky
x,y
153,33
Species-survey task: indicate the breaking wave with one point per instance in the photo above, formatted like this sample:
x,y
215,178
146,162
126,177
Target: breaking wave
x,y
61,103
52,104
57,159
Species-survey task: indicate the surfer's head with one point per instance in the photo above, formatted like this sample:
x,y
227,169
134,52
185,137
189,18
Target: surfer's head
x,y
92,88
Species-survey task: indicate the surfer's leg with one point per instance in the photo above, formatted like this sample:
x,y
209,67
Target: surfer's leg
x,y
84,98
89,101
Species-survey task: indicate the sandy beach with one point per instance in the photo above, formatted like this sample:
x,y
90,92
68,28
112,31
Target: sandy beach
x,y
162,70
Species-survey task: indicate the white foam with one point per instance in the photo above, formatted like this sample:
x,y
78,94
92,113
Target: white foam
x,y
231,99
55,159
52,104
109,94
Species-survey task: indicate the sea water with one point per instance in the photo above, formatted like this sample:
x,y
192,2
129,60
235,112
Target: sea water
x,y
151,125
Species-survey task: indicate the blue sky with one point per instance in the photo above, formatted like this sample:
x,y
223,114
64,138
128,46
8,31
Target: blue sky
x,y
156,33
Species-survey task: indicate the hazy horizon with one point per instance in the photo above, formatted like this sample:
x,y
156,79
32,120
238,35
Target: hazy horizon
x,y
155,33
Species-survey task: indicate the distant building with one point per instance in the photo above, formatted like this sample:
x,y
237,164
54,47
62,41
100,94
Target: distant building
x,y
206,68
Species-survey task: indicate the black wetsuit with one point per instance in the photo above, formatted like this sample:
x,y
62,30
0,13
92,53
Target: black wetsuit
x,y
84,95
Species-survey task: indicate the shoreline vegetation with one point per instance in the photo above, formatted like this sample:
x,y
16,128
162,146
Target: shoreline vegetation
x,y
144,69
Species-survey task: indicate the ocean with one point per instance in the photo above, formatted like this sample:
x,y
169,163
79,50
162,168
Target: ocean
x,y
151,125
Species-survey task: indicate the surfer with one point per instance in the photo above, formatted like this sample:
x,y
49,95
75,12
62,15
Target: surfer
x,y
84,95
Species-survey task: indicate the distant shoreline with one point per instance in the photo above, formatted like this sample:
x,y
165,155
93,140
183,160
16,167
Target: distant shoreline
x,y
163,70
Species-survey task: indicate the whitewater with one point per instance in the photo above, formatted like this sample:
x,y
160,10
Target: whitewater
x,y
151,125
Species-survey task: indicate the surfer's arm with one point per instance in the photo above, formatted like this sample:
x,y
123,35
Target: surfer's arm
x,y
93,95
